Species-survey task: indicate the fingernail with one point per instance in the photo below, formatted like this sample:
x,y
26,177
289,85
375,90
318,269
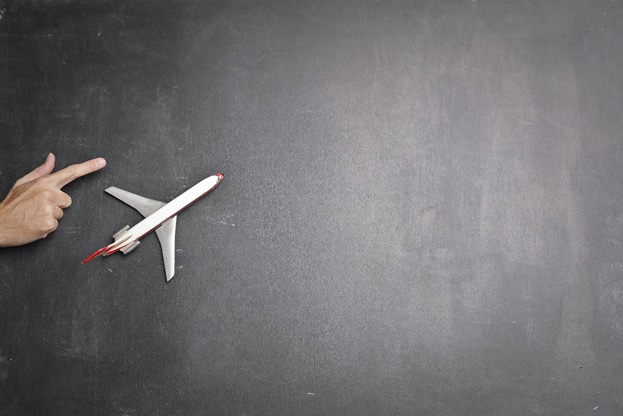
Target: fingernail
x,y
100,162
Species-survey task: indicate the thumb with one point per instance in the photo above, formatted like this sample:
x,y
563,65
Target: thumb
x,y
45,169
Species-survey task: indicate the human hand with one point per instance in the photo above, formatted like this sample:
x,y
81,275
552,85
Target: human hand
x,y
35,203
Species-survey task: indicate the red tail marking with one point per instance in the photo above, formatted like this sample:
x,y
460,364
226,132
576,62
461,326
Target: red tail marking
x,y
97,253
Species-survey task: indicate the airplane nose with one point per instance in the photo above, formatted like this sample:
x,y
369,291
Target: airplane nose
x,y
220,176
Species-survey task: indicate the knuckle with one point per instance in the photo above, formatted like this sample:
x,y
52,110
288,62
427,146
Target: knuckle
x,y
48,209
50,225
47,194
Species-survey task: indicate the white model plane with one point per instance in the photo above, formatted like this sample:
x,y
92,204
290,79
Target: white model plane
x,y
159,216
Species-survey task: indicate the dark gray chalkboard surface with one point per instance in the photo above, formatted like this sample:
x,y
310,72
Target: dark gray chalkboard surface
x,y
422,210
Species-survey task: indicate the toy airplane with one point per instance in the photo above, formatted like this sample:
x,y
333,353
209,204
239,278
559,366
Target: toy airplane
x,y
159,216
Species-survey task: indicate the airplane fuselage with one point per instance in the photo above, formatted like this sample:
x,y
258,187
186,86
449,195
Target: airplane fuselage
x,y
127,238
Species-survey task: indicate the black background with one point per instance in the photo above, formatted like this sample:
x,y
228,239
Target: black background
x,y
422,210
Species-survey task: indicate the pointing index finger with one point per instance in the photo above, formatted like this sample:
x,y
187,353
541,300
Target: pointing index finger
x,y
70,173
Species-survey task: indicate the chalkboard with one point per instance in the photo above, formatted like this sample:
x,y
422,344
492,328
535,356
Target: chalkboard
x,y
421,211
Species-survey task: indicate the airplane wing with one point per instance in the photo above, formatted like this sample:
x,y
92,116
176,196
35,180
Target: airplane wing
x,y
166,232
166,235
143,205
